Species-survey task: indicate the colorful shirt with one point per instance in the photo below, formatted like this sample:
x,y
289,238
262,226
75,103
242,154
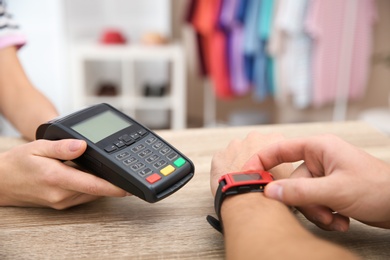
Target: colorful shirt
x,y
214,44
234,30
342,33
291,46
10,34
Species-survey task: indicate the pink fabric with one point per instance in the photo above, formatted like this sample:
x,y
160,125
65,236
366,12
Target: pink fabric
x,y
367,16
325,23
17,40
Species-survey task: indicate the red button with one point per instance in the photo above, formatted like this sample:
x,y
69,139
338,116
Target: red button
x,y
153,178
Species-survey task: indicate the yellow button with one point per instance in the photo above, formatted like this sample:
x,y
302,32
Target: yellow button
x,y
167,170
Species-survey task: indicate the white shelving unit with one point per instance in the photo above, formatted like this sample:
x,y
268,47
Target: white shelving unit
x,y
130,97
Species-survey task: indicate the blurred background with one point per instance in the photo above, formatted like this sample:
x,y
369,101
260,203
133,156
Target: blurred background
x,y
175,64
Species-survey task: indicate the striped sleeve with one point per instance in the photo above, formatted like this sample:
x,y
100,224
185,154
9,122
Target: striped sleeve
x,y
10,34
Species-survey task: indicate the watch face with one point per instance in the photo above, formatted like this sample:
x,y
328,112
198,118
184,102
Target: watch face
x,y
249,179
246,177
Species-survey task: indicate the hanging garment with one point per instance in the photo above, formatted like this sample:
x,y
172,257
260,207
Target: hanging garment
x,y
200,61
342,34
214,45
192,17
263,78
276,48
258,65
367,15
241,10
234,31
291,46
252,42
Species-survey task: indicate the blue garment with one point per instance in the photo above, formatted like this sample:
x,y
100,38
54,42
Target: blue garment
x,y
263,80
251,40
260,81
265,18
241,10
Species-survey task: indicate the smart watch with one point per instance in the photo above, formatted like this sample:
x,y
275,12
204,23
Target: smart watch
x,y
237,183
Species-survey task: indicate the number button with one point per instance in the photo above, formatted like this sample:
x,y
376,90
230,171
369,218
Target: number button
x,y
159,164
145,172
165,150
137,166
122,155
129,161
172,156
152,158
158,145
151,140
145,153
138,148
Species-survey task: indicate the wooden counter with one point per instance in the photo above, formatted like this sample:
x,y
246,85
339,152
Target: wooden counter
x,y
174,228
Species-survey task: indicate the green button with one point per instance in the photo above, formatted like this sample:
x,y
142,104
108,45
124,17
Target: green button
x,y
179,162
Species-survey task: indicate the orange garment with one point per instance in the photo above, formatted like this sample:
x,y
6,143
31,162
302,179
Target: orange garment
x,y
219,66
205,16
214,45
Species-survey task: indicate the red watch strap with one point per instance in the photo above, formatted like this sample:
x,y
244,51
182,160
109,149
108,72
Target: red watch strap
x,y
237,183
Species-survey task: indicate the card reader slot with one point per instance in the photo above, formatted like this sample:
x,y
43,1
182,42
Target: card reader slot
x,y
175,187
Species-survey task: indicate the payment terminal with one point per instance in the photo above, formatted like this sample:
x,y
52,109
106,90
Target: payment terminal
x,y
123,152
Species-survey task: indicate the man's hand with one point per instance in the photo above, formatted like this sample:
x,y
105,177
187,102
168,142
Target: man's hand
x,y
335,182
234,156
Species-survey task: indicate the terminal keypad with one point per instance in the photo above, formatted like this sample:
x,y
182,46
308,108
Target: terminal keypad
x,y
146,155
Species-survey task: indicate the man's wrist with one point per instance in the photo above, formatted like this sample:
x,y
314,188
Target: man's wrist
x,y
256,226
245,201
236,183
252,211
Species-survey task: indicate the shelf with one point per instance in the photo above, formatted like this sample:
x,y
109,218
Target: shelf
x,y
130,98
145,103
97,51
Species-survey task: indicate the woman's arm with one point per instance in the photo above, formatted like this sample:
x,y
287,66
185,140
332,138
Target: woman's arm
x,y
22,104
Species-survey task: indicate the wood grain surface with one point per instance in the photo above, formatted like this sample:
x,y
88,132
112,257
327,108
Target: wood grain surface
x,y
174,228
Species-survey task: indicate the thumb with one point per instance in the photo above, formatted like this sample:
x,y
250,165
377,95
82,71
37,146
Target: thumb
x,y
300,191
66,149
